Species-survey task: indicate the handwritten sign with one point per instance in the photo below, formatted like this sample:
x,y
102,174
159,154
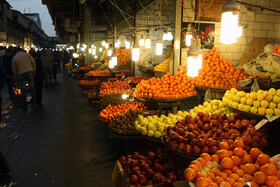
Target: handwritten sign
x,y
272,118
260,124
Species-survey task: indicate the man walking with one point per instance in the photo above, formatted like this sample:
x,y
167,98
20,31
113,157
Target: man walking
x,y
24,70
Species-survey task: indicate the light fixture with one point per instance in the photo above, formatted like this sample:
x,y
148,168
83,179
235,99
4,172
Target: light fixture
x,y
106,46
103,43
200,54
169,35
100,49
148,41
164,36
84,46
89,50
95,56
92,46
142,41
113,62
78,46
117,44
71,47
127,44
159,45
189,35
94,51
125,96
75,55
192,60
110,51
230,30
135,53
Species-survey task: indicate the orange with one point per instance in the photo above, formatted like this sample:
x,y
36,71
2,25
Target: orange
x,y
254,184
240,172
238,151
236,160
210,175
202,182
224,145
197,163
198,175
237,184
225,184
223,175
249,168
263,159
230,180
248,177
271,180
227,171
189,174
222,153
247,159
218,179
215,158
277,184
234,176
202,161
269,169
234,169
260,177
230,153
238,143
215,170
226,163
242,180
255,152
194,167
205,156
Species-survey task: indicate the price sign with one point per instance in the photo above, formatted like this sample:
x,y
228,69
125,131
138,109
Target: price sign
x,y
260,124
272,118
276,50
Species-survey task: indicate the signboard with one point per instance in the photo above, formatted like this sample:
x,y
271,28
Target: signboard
x,y
276,50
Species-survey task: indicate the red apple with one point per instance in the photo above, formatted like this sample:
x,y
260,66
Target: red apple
x,y
123,160
205,149
210,142
200,124
143,179
151,155
135,169
206,127
135,155
145,167
213,149
188,148
149,183
181,147
196,150
201,142
133,179
197,118
171,176
214,116
150,173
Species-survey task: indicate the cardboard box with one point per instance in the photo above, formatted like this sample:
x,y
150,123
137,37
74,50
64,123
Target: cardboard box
x,y
122,180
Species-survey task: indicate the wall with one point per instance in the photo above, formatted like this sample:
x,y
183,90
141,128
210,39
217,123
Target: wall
x,y
160,12
256,24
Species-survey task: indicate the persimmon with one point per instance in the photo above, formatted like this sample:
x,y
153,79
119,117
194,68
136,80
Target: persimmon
x,y
238,143
269,169
234,176
230,180
224,145
103,73
222,153
248,177
236,160
218,179
194,167
215,158
237,184
202,182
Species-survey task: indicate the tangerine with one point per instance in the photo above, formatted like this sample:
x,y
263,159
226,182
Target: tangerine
x,y
255,152
205,156
249,168
260,177
227,163
262,159
238,151
271,180
189,174
247,159
224,145
202,182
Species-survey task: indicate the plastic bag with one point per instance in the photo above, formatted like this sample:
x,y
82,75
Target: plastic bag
x,y
245,82
255,87
207,96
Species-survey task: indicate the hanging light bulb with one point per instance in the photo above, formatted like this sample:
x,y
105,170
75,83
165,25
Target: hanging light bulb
x,y
117,44
230,30
100,49
200,54
169,35
95,56
127,44
148,40
111,65
164,36
89,50
103,43
94,51
106,46
189,36
192,60
78,46
159,45
135,53
142,41
110,51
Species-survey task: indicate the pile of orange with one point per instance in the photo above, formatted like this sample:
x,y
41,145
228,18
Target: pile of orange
x,y
86,67
68,64
217,72
115,88
231,168
110,112
123,56
167,87
104,73
89,82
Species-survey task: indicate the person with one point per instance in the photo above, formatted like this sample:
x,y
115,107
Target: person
x,y
24,70
46,61
66,58
39,79
7,72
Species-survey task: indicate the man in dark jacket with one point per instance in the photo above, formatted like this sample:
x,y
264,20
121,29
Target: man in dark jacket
x,y
7,72
39,79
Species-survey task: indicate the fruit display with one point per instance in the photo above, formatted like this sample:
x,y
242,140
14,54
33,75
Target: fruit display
x,y
273,74
163,66
123,56
104,55
167,87
115,88
217,72
86,67
124,124
258,75
112,99
214,107
233,168
204,133
103,73
261,102
69,64
157,167
154,126
110,112
95,82
135,80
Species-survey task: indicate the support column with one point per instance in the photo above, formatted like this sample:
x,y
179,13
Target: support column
x,y
177,38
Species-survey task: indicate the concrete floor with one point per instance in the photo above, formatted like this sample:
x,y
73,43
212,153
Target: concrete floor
x,y
60,144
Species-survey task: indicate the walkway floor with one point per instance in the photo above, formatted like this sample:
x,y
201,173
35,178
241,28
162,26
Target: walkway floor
x,y
60,144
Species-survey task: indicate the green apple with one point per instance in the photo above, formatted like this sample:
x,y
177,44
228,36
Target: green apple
x,y
221,105
247,108
137,127
249,101
276,99
264,104
269,112
157,134
278,92
150,133
260,97
231,102
253,110
205,104
253,95
143,131
241,94
179,113
260,92
268,97
235,105
233,90
243,100
240,106
236,98
218,112
261,111
247,95
257,104
276,112
214,108
272,91
272,105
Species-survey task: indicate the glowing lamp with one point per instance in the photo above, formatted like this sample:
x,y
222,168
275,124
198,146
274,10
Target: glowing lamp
x,y
192,61
142,42
110,52
135,53
89,50
169,36
95,56
75,55
125,96
117,44
100,49
106,45
189,36
127,44
111,65
230,30
94,51
164,36
159,48
115,60
148,41
103,43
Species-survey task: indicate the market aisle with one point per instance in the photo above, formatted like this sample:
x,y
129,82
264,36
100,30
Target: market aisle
x,y
62,144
